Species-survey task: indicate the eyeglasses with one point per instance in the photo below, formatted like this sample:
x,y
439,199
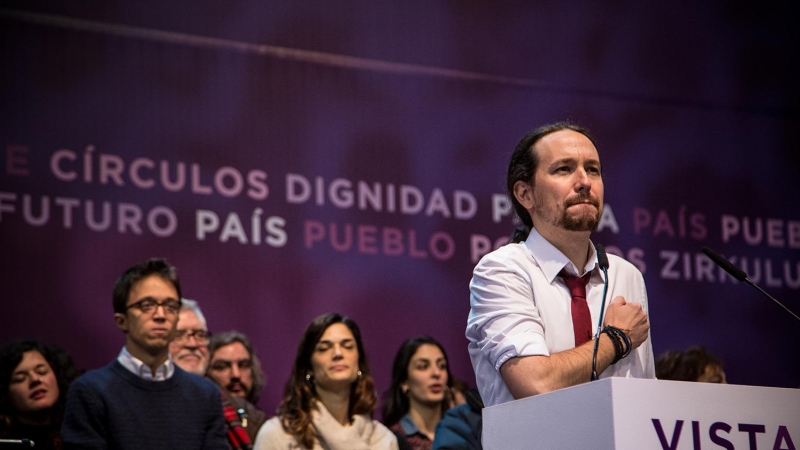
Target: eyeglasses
x,y
221,365
148,305
200,336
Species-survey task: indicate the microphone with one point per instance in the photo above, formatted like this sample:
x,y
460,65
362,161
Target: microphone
x,y
725,264
602,261
602,258
741,276
15,442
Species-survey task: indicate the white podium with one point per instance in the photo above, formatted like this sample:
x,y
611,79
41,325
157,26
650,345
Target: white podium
x,y
633,414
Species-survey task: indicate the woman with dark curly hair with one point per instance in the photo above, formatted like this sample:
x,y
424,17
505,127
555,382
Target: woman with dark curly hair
x,y
34,378
330,395
419,394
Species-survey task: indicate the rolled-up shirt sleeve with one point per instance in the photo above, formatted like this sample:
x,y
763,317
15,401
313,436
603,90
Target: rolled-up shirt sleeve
x,y
504,321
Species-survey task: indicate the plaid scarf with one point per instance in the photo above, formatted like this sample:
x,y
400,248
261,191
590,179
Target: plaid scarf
x,y
237,435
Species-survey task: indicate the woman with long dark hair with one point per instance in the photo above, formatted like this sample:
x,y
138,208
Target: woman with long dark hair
x,y
420,392
34,379
329,397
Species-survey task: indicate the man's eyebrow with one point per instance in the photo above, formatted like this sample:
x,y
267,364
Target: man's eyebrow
x,y
562,161
150,297
570,160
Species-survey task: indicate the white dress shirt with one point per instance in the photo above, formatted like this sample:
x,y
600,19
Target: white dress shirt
x,y
141,370
519,307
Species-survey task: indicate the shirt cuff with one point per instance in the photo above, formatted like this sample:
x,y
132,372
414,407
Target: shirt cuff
x,y
512,347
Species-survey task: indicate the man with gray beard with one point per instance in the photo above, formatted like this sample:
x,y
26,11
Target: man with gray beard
x,y
189,345
534,303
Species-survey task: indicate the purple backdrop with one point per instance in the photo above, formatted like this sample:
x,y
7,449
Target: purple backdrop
x,y
368,144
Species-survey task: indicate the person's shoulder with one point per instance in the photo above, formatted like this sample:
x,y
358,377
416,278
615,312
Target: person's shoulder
x,y
400,437
196,382
102,376
511,260
455,421
271,425
272,433
459,414
457,411
373,427
380,426
254,414
505,255
621,264
510,249
383,437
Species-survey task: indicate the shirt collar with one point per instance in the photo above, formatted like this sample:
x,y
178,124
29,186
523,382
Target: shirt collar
x,y
141,370
408,425
552,261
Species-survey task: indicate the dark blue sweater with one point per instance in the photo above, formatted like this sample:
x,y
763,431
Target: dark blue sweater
x,y
112,408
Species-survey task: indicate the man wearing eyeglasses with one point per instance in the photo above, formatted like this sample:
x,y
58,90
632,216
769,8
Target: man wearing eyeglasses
x,y
142,399
189,346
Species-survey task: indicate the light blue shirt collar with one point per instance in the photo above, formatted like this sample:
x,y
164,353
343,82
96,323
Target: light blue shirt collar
x,y
141,370
409,427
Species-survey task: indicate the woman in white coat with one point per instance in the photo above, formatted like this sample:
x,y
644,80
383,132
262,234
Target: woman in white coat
x,y
330,397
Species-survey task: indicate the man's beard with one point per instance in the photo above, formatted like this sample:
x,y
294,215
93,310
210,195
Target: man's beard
x,y
245,389
584,222
200,362
568,222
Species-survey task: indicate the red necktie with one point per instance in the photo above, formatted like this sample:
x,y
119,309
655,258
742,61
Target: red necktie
x,y
581,317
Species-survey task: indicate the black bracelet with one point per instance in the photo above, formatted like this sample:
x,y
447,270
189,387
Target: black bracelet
x,y
627,342
624,341
617,343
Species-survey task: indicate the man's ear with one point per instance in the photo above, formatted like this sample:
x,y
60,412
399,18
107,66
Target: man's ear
x,y
122,321
523,192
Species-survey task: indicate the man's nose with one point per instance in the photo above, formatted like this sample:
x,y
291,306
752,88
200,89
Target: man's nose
x,y
160,312
583,182
191,342
235,371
